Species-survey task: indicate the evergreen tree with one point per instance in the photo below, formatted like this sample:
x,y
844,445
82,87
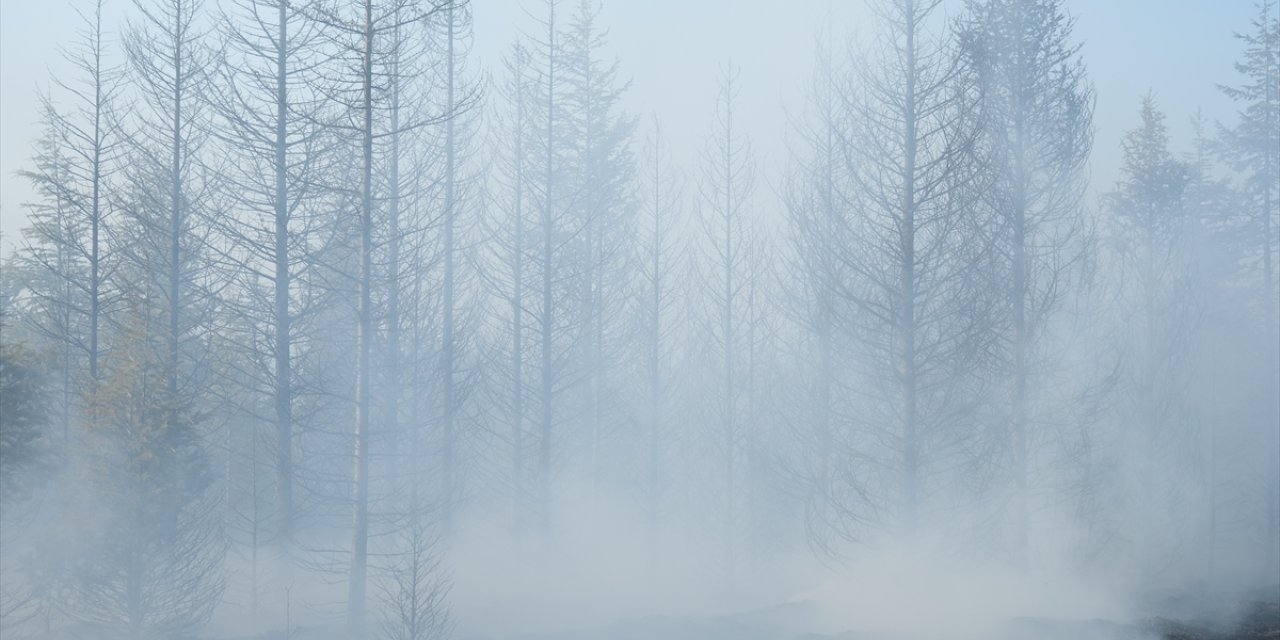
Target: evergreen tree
x,y
1253,150
1036,109
1151,231
153,566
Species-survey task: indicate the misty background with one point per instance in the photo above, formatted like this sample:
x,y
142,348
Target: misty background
x,y
573,319
1179,50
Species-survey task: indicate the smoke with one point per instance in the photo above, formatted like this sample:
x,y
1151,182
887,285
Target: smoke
x,y
601,564
602,573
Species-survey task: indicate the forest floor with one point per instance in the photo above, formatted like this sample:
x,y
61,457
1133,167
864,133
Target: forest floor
x,y
1251,620
1242,620
1253,616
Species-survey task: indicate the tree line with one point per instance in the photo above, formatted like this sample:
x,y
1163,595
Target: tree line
x,y
306,294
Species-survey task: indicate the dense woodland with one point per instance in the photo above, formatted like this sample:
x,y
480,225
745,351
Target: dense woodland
x,y
316,322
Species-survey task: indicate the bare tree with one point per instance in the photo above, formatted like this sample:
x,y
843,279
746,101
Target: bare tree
x,y
549,186
509,228
817,201
727,220
414,589
369,54
268,116
1037,111
600,174
169,187
913,254
458,97
68,229
661,254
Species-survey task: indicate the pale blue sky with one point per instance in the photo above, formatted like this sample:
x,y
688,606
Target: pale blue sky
x,y
671,49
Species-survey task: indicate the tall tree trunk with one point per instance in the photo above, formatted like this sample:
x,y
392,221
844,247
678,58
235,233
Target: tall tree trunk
x,y
176,220
415,447
517,313
547,312
449,351
655,358
1021,345
283,372
1148,388
593,282
727,329
393,382
95,248
364,338
1270,170
752,518
910,446
826,320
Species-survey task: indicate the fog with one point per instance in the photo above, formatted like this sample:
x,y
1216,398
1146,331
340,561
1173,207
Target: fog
x,y
419,319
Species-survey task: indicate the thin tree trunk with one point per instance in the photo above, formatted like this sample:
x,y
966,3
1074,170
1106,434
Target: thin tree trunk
x,y
176,221
593,283
364,338
253,525
95,249
413,456
283,372
1269,169
394,384
547,312
1148,385
448,365
752,426
1021,345
906,290
517,315
826,363
726,321
655,358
